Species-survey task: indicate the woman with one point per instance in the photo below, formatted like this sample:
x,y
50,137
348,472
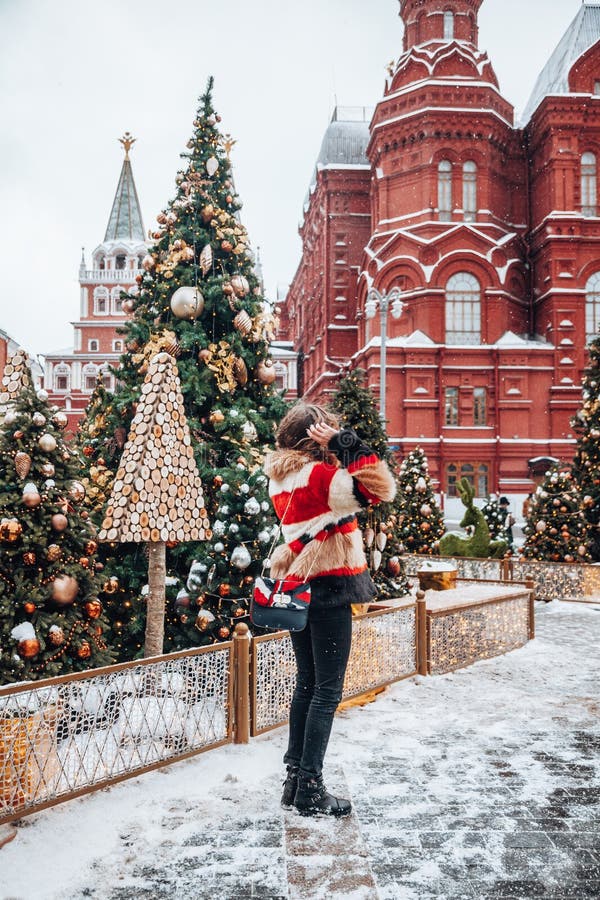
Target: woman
x,y
320,477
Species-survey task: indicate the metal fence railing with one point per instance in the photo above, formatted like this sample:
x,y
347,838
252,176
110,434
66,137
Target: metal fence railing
x,y
552,580
384,650
66,736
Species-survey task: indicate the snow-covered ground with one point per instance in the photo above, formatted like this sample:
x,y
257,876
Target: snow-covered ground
x,y
482,783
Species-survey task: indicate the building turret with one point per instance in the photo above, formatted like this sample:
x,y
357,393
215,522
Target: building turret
x,y
71,374
426,21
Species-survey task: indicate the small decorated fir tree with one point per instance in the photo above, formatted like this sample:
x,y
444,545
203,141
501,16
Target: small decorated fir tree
x,y
421,522
495,516
51,620
556,529
586,465
355,407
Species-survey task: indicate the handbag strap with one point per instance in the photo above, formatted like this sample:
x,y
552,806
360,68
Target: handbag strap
x,y
280,532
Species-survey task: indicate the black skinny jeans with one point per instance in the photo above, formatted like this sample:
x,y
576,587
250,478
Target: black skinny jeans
x,y
322,652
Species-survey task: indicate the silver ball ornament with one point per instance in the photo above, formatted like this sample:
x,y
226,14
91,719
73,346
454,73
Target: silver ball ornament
x,y
47,443
240,558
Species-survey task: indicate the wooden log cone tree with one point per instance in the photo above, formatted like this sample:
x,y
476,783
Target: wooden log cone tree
x,y
157,493
17,375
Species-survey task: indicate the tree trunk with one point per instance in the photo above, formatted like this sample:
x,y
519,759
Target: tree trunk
x,y
155,611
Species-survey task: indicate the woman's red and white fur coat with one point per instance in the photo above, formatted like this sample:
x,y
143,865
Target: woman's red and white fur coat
x,y
317,503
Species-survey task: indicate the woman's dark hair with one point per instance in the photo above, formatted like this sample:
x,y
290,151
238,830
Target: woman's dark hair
x,y
291,434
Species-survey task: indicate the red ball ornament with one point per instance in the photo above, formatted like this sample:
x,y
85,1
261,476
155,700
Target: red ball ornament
x,y
224,632
29,648
84,651
94,609
224,590
29,607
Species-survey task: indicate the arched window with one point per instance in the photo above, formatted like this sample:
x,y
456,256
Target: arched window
x,y
93,346
448,25
139,262
89,378
100,301
116,302
592,307
469,191
588,184
107,379
463,309
120,261
101,263
117,346
445,190
62,378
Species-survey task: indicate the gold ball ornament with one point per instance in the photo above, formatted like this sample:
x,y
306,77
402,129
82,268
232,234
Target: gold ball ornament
x,y
216,417
38,419
208,212
29,559
56,636
91,547
53,553
128,307
111,586
224,590
227,246
204,355
31,496
228,289
60,419
64,590
10,531
29,648
94,609
223,632
48,469
148,262
10,418
187,303
266,371
47,443
59,522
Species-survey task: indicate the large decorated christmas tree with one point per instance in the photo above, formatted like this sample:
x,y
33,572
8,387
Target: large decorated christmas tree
x,y
421,522
201,301
586,465
556,528
355,406
51,618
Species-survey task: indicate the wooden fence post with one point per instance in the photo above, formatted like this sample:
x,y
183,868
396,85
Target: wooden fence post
x,y
421,633
529,582
241,683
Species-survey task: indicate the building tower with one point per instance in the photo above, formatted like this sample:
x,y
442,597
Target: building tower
x,y
71,375
491,231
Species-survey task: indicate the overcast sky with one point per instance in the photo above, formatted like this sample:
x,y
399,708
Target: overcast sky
x,y
76,74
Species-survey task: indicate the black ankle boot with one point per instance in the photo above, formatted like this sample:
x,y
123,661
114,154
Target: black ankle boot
x,y
312,799
289,787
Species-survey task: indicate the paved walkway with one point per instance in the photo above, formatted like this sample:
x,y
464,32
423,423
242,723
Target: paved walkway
x,y
480,784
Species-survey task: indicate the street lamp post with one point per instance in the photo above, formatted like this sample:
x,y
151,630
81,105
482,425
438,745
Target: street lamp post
x,y
385,302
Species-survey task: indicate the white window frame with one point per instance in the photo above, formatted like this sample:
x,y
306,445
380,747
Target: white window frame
x,y
592,307
463,309
93,349
470,191
62,371
589,185
101,295
445,190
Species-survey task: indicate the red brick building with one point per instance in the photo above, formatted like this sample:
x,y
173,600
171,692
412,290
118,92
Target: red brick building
x,y
491,231
71,375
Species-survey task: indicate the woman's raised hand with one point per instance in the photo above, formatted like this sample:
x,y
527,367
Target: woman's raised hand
x,y
321,433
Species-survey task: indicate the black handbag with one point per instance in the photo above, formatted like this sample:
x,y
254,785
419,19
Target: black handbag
x,y
280,603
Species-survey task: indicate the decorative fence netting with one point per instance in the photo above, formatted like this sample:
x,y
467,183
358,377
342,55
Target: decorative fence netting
x,y
383,651
66,736
552,580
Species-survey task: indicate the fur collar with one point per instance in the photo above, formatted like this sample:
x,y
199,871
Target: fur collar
x,y
281,463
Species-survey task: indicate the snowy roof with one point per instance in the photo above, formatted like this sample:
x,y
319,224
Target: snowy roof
x,y
125,221
344,144
510,339
582,33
